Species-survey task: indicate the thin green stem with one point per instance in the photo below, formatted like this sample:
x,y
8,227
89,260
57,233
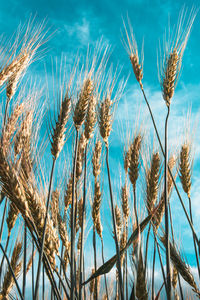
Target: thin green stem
x,y
2,261
32,267
126,265
173,240
3,218
174,183
60,271
114,227
168,270
103,260
44,232
195,247
72,273
95,262
83,227
153,270
12,272
24,261
160,258
135,206
146,249
43,283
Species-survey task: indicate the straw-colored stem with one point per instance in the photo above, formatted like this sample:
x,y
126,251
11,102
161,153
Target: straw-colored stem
x,y
135,205
168,270
95,262
3,218
44,232
153,271
195,247
46,262
103,260
114,227
126,265
173,240
160,259
12,272
174,183
2,261
62,283
83,227
32,268
72,274
43,283
146,248
60,271
24,261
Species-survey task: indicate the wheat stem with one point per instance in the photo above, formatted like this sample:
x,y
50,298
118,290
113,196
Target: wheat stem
x,y
83,226
2,261
174,183
160,259
24,261
135,205
72,274
63,285
171,222
168,270
33,284
195,247
44,232
48,268
12,272
103,260
95,262
146,248
3,218
153,270
60,271
43,283
114,226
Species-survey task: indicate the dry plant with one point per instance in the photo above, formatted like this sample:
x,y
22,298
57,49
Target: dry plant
x,y
47,182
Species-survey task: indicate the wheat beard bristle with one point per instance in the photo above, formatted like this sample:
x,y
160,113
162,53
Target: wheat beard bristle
x,y
170,76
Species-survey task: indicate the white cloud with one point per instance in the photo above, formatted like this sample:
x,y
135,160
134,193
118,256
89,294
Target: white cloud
x,y
79,30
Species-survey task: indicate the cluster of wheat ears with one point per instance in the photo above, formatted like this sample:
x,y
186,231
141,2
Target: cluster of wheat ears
x,y
47,219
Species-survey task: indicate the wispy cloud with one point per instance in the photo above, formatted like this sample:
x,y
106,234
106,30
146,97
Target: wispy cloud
x,y
79,30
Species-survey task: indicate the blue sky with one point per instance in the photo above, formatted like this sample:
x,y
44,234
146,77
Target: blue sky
x,y
79,23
